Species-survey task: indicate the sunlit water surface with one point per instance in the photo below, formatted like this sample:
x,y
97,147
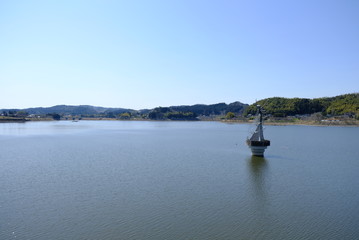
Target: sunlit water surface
x,y
176,180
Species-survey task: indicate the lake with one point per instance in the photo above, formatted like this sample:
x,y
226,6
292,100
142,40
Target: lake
x,y
176,180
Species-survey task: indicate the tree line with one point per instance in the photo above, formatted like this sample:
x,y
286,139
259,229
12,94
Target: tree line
x,y
347,104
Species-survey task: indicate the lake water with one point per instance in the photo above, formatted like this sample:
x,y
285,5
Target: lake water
x,y
176,180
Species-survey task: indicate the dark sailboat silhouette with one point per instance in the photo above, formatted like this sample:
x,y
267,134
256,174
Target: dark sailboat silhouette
x,y
256,142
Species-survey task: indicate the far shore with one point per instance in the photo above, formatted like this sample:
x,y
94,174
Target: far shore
x,y
354,123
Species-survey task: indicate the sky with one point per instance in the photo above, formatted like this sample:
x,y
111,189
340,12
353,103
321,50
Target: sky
x,y
144,54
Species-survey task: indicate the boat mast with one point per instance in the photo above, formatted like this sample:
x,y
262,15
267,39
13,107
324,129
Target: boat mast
x,y
258,133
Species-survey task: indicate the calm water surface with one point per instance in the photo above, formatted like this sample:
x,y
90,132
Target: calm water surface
x,y
176,180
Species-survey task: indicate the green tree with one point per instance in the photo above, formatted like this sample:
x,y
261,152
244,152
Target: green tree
x,y
181,116
125,115
56,116
230,115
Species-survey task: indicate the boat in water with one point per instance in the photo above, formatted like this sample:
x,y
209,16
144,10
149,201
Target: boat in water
x,y
256,142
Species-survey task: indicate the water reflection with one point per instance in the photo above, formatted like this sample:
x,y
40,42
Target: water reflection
x,y
258,184
257,164
258,170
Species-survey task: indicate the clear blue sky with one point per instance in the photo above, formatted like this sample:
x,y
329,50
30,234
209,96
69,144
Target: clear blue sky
x,y
144,54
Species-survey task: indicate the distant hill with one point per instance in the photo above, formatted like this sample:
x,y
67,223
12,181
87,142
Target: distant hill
x,y
347,104
173,112
213,109
167,113
71,110
194,111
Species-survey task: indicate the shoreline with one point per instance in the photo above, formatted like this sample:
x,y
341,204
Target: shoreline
x,y
353,123
303,123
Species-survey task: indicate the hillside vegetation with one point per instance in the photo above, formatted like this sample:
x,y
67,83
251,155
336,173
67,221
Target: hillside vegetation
x,y
347,104
195,111
160,113
276,108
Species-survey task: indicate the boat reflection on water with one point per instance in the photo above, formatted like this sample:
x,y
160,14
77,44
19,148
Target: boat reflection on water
x,y
258,173
258,189
257,164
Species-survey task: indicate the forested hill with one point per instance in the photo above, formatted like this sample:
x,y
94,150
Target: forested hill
x,y
198,110
212,109
347,104
173,112
70,110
